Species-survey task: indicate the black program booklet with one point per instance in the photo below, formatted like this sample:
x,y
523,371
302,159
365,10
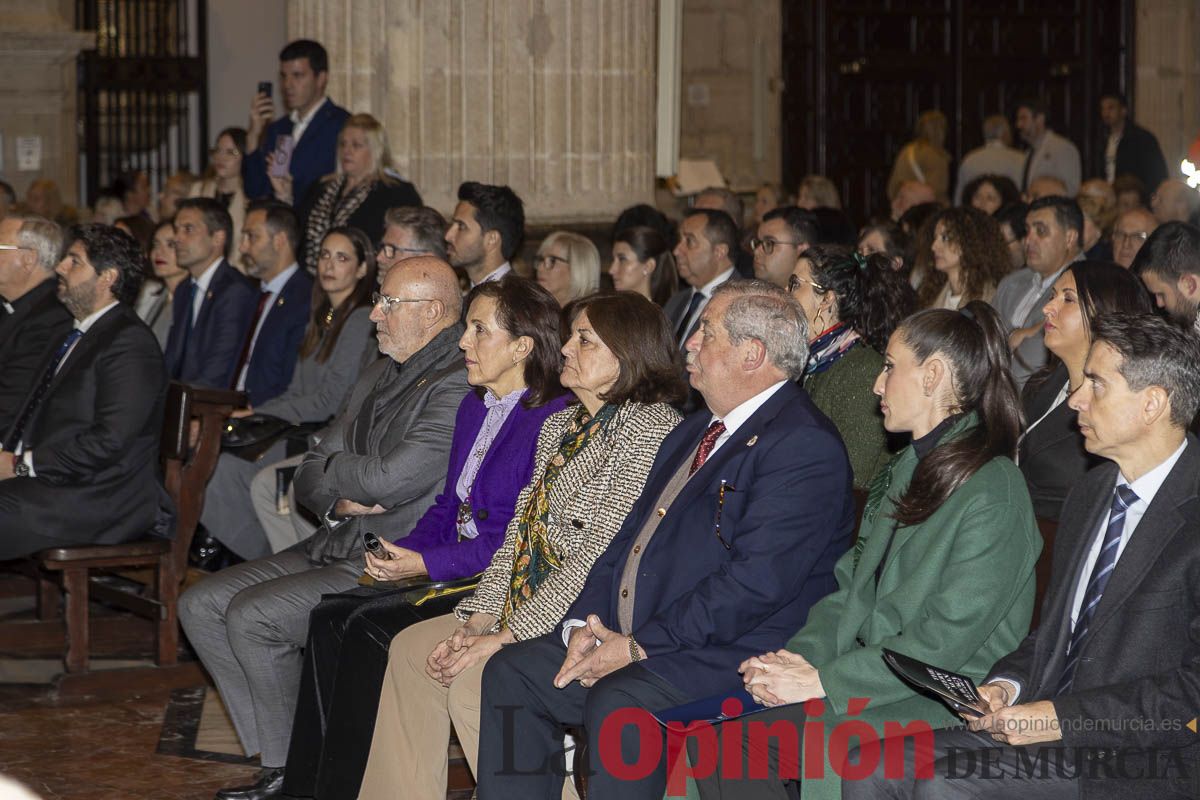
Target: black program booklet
x,y
957,691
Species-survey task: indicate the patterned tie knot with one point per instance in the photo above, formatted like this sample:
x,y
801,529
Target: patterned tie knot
x,y
707,443
1125,497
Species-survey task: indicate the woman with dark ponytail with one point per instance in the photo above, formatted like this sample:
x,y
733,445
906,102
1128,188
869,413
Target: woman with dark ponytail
x,y
853,303
943,568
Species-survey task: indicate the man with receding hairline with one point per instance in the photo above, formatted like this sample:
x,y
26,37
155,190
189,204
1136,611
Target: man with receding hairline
x,y
1130,232
375,468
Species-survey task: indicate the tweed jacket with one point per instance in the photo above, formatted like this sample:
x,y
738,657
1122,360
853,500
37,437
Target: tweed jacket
x,y
588,504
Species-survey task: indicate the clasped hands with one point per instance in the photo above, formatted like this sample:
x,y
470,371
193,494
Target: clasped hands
x,y
781,677
467,646
1025,723
593,652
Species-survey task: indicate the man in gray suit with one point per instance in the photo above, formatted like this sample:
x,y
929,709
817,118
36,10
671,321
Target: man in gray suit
x,y
1049,153
377,468
1054,231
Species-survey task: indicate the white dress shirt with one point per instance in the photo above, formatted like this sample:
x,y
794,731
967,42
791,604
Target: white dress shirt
x,y
706,292
496,274
272,287
300,124
202,284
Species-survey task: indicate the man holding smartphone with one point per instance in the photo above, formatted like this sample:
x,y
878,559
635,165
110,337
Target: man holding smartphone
x,y
284,157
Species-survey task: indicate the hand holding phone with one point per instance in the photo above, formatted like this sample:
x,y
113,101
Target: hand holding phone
x,y
374,547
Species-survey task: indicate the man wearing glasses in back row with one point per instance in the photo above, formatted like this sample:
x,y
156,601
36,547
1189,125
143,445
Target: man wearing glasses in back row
x,y
375,468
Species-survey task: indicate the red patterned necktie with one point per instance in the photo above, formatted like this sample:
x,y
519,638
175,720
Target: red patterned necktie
x,y
706,445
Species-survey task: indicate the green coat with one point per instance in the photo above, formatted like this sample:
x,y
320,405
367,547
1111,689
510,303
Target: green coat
x,y
956,591
844,394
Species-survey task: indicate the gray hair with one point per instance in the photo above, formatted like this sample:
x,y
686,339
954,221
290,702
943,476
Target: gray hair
x,y
1155,353
996,127
427,225
765,312
44,238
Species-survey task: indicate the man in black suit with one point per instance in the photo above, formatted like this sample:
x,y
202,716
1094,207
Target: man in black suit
x,y
32,321
79,463
212,310
708,242
1102,693
1127,148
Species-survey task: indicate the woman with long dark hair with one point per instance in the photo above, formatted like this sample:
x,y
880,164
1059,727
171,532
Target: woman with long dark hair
x,y
1051,453
223,182
642,262
969,259
943,567
853,303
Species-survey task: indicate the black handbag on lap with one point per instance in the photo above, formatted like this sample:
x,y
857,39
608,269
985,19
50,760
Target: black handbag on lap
x,y
250,437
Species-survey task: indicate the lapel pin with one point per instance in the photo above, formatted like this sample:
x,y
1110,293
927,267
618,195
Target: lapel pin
x,y
279,302
753,440
209,295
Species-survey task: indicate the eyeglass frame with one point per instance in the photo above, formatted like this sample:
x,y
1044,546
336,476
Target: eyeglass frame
x,y
1140,236
382,247
540,260
768,245
14,247
794,283
390,302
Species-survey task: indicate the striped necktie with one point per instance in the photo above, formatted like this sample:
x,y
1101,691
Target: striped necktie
x,y
1123,498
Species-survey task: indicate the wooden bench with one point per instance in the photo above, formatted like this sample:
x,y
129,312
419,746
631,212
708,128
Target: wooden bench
x,y
74,572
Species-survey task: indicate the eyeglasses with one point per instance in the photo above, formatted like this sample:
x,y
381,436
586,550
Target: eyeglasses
x,y
390,251
13,247
1120,237
768,245
549,262
388,303
794,282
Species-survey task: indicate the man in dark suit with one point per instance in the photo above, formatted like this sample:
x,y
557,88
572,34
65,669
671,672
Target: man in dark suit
x,y
1127,148
32,321
268,249
1102,693
746,509
79,463
708,240
213,309
312,122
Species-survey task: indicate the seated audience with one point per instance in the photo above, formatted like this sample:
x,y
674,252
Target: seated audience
x,y
107,209
767,198
643,215
910,194
329,363
1175,201
1045,186
158,292
1051,452
410,231
1011,219
718,198
589,467
80,462
852,304
942,570
969,258
642,262
1131,193
311,123
1116,644
782,237
568,266
704,257
175,188
746,509
225,181
32,320
359,193
269,351
485,232
924,159
997,157
990,193
886,239
1169,265
1049,153
213,309
1099,206
817,191
1054,228
376,468
1130,232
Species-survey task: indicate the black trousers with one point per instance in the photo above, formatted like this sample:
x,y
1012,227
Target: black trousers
x,y
344,663
721,783
523,716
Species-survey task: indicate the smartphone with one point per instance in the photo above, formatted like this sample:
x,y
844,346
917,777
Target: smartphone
x,y
264,87
371,542
281,156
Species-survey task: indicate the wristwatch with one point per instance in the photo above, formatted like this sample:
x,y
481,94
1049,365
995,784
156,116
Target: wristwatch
x,y
20,468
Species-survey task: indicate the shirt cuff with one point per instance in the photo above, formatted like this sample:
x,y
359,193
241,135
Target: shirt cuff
x,y
27,457
1012,682
568,626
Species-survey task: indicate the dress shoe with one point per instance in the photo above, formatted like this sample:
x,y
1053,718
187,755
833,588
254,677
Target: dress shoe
x,y
268,786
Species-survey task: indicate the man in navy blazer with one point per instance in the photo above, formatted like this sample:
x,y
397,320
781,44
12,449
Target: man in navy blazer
x,y
268,249
312,120
212,309
734,538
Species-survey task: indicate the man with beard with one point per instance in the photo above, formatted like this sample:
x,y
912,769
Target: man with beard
x,y
485,232
78,465
1169,266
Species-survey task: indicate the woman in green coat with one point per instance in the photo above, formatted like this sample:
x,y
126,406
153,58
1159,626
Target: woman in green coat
x,y
942,571
853,303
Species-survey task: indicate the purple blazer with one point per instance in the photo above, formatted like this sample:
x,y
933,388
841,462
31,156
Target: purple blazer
x,y
506,469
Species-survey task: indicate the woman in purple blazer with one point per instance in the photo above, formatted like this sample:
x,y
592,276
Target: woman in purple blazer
x,y
513,359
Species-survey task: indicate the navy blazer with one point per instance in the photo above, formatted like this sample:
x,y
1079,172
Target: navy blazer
x,y
208,355
315,154
702,607
277,347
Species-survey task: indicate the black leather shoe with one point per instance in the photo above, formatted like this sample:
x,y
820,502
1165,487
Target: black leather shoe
x,y
268,786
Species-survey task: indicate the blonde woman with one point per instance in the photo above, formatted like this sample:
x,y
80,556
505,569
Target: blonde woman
x,y
568,266
361,191
223,182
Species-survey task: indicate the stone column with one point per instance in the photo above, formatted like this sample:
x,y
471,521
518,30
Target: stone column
x,y
1167,83
37,93
555,98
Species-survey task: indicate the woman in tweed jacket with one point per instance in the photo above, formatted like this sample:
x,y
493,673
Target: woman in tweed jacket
x,y
591,463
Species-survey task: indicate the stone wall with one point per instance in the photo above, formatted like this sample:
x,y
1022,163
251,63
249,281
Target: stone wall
x,y
1166,94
